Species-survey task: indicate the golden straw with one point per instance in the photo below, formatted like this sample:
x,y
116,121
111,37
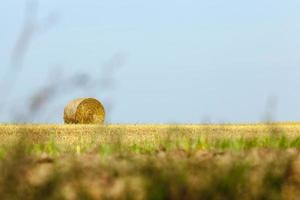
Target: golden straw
x,y
84,111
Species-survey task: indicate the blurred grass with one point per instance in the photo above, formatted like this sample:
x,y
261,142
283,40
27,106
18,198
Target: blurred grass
x,y
150,162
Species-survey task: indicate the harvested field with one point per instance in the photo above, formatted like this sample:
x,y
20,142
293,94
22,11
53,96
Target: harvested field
x,y
259,161
70,134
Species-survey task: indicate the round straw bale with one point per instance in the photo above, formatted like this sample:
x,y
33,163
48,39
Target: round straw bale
x,y
84,111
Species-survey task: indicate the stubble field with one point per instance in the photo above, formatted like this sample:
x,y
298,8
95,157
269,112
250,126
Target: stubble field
x,y
246,161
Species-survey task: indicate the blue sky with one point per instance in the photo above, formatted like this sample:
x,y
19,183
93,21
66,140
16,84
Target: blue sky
x,y
187,61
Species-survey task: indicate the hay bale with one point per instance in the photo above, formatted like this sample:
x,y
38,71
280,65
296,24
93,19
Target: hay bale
x,y
84,111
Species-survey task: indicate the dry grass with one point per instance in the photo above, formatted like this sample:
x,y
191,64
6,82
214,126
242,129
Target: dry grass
x,y
70,134
259,161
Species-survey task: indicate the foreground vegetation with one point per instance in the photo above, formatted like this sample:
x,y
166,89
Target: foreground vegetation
x,y
141,162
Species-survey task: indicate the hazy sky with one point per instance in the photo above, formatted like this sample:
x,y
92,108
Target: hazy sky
x,y
186,61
